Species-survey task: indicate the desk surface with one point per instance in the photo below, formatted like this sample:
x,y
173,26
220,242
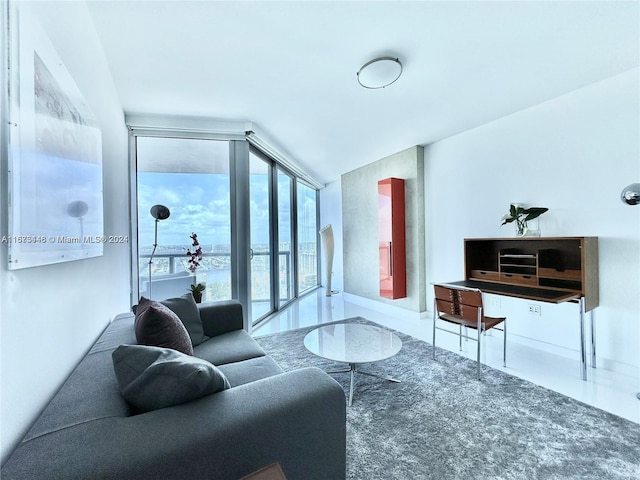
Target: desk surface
x,y
519,291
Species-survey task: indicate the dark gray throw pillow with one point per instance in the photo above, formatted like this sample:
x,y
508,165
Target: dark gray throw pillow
x,y
187,310
158,326
152,377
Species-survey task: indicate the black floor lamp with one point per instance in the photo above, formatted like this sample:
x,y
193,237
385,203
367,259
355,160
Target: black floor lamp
x,y
631,196
159,212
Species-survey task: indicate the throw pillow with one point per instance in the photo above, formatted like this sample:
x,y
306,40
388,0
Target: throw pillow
x,y
159,326
187,310
151,377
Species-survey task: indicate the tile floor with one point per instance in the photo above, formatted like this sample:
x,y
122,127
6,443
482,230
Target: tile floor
x,y
604,389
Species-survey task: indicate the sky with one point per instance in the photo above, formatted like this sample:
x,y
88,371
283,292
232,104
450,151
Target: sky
x,y
200,203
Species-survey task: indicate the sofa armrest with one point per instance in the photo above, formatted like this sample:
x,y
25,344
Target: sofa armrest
x,y
297,419
221,317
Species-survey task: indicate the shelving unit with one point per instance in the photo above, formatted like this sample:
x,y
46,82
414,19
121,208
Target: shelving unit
x,y
562,264
518,268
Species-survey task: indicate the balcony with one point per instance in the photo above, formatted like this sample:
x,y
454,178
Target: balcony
x,y
170,276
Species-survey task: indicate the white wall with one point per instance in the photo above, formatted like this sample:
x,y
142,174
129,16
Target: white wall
x,y
50,315
573,154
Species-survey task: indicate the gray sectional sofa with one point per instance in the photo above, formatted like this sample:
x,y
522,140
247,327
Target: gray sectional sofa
x,y
89,431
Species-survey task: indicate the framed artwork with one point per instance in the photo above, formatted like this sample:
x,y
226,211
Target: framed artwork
x,y
55,156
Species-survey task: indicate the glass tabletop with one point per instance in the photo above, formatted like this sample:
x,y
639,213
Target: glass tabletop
x,y
352,342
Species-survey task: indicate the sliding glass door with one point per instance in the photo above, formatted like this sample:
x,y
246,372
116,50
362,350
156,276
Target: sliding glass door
x,y
286,272
254,222
307,216
261,260
191,179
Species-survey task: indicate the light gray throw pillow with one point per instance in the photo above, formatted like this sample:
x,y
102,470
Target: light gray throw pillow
x,y
187,310
152,377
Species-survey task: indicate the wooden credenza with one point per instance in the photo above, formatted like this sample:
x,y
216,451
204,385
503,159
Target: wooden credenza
x,y
547,269
551,269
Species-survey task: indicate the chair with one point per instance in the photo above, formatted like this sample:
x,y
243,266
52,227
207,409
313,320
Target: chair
x,y
463,307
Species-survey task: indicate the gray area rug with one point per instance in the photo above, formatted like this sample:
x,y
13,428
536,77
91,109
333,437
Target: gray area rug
x,y
442,422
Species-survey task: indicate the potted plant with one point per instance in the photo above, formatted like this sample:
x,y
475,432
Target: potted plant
x,y
196,291
195,257
521,216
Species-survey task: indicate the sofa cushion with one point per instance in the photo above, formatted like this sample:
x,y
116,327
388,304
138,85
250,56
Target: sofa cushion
x,y
247,371
229,347
156,325
151,377
187,310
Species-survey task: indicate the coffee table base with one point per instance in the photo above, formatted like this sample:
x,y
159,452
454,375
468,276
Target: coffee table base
x,y
353,369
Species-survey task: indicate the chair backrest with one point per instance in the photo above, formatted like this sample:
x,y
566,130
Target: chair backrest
x,y
458,302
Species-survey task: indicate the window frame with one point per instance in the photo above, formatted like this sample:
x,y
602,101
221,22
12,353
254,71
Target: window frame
x,y
240,146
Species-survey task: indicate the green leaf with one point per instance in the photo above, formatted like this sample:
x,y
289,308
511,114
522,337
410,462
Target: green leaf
x,y
533,212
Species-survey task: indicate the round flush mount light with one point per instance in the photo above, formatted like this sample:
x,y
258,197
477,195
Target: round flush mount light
x,y
379,72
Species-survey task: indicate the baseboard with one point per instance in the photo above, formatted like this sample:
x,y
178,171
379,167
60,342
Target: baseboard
x,y
385,308
601,362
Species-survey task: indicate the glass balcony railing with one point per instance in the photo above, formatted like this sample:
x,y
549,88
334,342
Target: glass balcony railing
x,y
170,276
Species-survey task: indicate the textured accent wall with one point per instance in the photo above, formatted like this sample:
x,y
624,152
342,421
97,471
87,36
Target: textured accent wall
x,y
360,227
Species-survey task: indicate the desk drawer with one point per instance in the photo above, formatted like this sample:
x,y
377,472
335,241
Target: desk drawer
x,y
564,274
519,278
485,275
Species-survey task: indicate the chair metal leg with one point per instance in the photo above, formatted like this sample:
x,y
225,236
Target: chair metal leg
x,y
460,337
435,316
478,356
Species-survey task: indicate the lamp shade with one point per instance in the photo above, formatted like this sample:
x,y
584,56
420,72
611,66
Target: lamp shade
x,y
77,209
631,194
379,72
160,212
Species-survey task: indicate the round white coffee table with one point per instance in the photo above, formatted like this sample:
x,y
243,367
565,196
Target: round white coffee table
x,y
353,343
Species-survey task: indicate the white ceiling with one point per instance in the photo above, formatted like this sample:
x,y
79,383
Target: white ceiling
x,y
290,67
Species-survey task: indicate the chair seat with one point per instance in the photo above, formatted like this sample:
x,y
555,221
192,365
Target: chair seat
x,y
487,322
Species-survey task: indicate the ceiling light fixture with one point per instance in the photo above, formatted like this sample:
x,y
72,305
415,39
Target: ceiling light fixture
x,y
379,72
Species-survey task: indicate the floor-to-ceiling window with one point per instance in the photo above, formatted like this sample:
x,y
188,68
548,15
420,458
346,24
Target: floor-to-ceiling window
x,y
256,223
286,272
190,177
307,200
260,195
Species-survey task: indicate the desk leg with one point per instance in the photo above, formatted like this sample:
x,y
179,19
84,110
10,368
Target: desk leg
x,y
583,353
593,339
